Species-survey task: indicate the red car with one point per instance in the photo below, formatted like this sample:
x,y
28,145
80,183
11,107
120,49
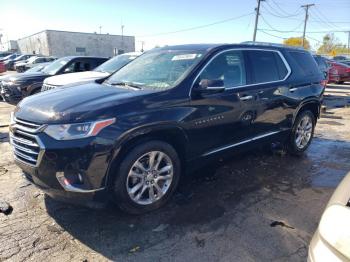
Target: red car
x,y
339,73
2,67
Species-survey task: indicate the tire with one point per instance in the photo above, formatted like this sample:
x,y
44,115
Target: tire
x,y
130,176
293,147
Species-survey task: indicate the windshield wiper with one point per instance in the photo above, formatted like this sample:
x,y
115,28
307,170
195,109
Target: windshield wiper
x,y
127,84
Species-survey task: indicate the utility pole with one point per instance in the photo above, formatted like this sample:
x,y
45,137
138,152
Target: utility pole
x,y
100,29
257,9
122,28
142,44
307,6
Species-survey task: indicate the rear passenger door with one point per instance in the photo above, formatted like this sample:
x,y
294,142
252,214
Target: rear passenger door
x,y
265,92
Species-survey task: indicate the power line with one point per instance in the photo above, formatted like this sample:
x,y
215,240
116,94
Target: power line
x,y
275,15
266,33
323,17
296,13
280,31
311,32
199,27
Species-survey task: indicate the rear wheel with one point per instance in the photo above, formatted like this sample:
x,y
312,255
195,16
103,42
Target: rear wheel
x,y
147,177
302,133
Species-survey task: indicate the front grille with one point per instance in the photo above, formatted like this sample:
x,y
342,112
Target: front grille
x,y
25,142
47,87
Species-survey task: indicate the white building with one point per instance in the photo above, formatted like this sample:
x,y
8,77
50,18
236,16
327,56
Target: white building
x,y
64,43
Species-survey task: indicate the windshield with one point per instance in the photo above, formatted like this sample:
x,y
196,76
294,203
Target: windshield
x,y
56,66
31,59
161,69
115,63
19,57
37,68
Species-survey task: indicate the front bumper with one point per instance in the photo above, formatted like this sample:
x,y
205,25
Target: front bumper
x,y
10,94
73,170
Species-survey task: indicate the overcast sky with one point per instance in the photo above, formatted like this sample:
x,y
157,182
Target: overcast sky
x,y
154,21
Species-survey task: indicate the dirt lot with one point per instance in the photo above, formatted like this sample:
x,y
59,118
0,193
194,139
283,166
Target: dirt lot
x,y
255,207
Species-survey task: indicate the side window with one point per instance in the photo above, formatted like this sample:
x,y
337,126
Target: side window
x,y
79,66
228,66
267,66
305,62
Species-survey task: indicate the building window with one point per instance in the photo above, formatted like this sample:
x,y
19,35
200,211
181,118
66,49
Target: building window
x,y
80,49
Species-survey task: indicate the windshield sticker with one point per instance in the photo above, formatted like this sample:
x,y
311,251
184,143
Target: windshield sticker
x,y
184,57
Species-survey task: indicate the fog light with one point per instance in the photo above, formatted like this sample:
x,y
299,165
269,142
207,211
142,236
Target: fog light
x,y
69,179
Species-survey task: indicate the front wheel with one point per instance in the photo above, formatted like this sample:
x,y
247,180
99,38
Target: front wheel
x,y
147,177
302,133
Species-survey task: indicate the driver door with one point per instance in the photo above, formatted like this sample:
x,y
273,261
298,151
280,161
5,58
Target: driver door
x,y
221,120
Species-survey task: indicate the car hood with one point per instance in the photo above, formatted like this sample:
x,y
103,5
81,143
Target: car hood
x,y
27,76
72,78
76,104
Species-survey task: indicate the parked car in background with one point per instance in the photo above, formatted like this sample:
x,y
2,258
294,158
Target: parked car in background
x,y
347,62
10,63
3,54
331,242
16,87
340,58
322,65
38,67
100,72
10,56
339,73
173,108
31,62
2,67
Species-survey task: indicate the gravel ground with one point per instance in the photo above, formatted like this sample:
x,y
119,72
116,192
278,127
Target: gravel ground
x,y
258,206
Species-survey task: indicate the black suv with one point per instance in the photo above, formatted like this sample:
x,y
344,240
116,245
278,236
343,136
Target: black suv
x,y
132,137
14,88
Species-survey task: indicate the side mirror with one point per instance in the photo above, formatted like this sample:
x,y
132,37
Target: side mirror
x,y
211,86
67,70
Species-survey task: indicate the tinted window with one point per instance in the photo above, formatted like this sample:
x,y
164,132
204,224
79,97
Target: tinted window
x,y
228,66
306,63
267,66
93,63
321,63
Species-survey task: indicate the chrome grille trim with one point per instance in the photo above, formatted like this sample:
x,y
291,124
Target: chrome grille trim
x,y
23,141
27,150
27,147
17,153
27,126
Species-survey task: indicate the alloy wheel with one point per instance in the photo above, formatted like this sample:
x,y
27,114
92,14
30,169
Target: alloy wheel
x,y
303,132
150,177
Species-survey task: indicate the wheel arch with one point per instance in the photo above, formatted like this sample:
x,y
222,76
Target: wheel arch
x,y
171,134
313,105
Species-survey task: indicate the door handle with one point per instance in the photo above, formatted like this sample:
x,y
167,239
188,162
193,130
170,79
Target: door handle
x,y
293,89
243,98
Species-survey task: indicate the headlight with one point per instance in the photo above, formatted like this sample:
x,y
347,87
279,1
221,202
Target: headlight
x,y
77,131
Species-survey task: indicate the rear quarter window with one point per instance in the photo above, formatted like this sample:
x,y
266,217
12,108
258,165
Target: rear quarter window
x,y
267,66
305,62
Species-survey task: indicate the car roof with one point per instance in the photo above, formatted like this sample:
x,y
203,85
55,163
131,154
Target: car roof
x,y
209,47
74,57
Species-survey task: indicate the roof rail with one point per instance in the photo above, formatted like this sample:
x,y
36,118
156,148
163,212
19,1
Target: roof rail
x,y
271,44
